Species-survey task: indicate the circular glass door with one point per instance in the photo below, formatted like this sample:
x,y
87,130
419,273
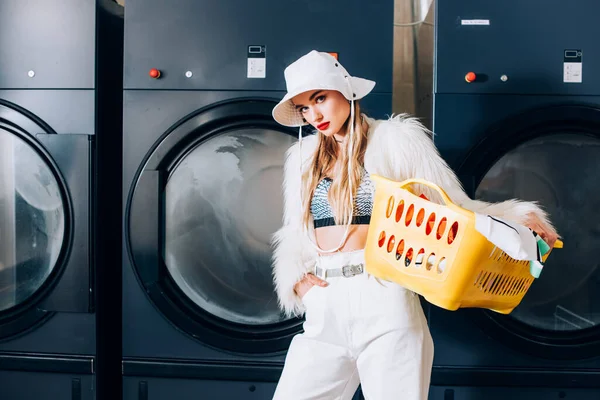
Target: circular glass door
x,y
548,155
223,202
200,219
32,218
561,171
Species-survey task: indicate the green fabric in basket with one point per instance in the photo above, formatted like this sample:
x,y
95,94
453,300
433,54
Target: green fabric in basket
x,y
535,266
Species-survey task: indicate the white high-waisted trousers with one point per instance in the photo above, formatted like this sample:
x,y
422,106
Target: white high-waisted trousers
x,y
358,330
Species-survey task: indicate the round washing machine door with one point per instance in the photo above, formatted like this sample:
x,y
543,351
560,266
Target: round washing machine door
x,y
200,221
34,221
550,156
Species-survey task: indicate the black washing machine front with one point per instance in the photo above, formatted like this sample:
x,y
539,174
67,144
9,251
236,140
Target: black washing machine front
x,y
539,149
47,325
200,216
527,127
42,196
203,169
203,200
542,149
549,155
48,156
47,145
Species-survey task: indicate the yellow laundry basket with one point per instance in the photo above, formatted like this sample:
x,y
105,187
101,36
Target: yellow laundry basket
x,y
435,250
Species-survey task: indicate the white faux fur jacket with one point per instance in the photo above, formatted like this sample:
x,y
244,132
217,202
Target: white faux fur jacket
x,y
399,148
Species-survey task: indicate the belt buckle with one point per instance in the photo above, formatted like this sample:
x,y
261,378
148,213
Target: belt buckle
x,y
322,275
351,270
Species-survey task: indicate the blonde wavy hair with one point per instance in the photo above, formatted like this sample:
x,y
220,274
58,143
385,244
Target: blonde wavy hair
x,y
323,165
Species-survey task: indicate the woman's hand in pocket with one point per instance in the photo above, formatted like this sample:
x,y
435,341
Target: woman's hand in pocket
x,y
307,283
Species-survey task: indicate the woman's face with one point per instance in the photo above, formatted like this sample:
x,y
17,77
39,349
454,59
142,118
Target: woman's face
x,y
326,110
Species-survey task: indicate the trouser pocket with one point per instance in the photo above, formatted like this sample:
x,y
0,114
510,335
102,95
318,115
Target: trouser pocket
x,y
315,302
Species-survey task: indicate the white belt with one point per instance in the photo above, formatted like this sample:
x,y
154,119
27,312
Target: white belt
x,y
347,271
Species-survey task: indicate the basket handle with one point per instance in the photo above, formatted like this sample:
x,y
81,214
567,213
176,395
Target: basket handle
x,y
433,186
557,245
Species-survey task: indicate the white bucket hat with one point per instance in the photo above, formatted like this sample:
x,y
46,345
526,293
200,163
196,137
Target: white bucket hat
x,y
313,71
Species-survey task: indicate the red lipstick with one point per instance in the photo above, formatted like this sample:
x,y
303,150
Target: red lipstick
x,y
323,126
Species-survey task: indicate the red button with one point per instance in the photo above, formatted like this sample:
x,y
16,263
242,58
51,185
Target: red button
x,y
154,73
470,77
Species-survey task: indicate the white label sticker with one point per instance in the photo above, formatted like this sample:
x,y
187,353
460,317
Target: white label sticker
x,y
257,68
572,72
474,21
572,65
257,61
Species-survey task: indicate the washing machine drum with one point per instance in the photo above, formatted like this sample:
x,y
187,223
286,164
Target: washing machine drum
x,y
561,171
222,205
210,195
32,220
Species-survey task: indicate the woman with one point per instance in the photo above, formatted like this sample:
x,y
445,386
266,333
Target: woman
x,y
358,329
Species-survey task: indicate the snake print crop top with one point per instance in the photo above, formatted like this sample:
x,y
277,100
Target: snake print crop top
x,y
363,203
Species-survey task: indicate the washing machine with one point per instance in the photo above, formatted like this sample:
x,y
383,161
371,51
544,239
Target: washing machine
x,y
516,112
48,186
202,179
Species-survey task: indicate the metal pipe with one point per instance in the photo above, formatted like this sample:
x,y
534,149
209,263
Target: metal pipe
x,y
408,19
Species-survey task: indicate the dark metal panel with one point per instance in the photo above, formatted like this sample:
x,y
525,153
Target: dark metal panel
x,y
172,385
210,39
515,393
145,222
145,388
72,154
42,363
516,377
478,114
270,372
222,370
63,333
66,111
47,44
525,40
46,386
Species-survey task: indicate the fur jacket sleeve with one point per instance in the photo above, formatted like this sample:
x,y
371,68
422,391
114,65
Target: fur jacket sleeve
x,y
399,148
293,255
